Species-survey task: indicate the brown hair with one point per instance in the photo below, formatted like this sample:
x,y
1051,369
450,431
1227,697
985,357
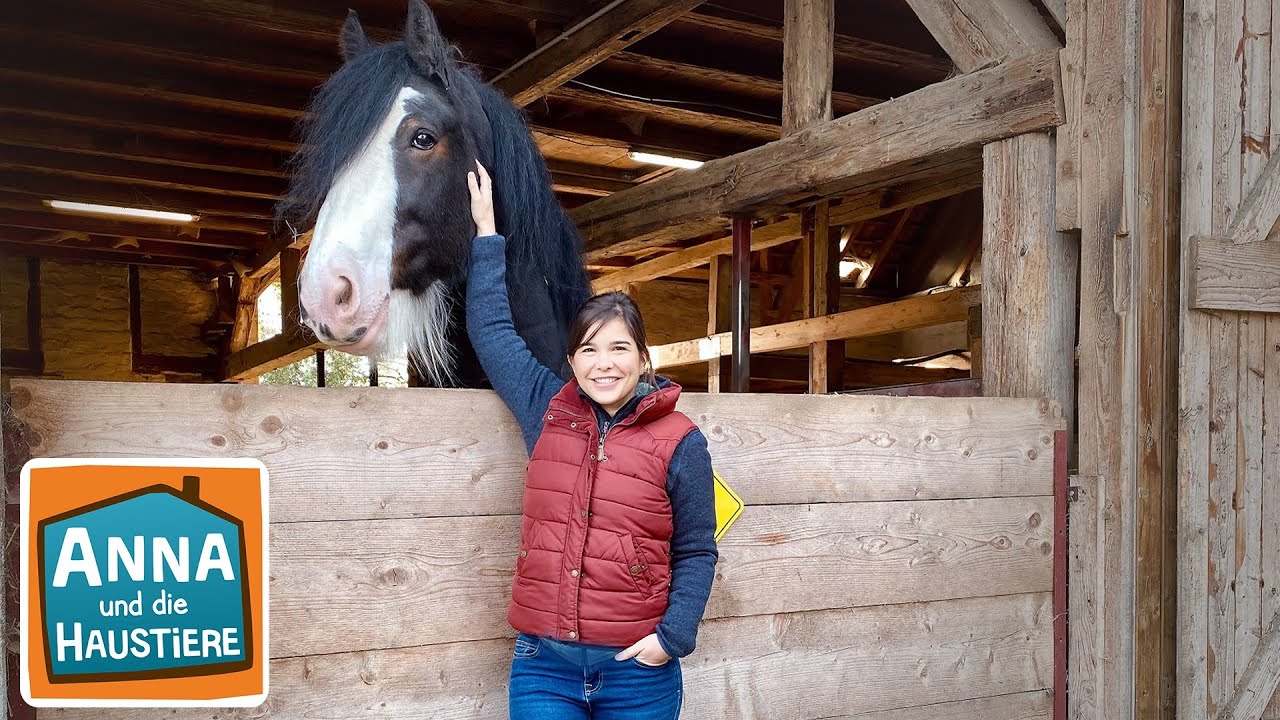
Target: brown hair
x,y
600,309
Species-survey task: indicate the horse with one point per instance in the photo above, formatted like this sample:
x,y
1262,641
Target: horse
x,y
381,180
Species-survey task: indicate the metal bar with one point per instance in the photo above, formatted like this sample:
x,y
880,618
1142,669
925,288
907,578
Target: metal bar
x,y
319,368
741,310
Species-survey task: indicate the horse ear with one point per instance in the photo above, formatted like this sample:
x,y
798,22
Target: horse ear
x,y
353,43
427,47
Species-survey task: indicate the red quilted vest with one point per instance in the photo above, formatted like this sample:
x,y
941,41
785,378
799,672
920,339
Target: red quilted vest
x,y
595,553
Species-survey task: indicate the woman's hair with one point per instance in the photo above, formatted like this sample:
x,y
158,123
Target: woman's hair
x,y
600,309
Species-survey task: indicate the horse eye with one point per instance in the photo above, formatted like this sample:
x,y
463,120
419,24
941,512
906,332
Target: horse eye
x,y
424,140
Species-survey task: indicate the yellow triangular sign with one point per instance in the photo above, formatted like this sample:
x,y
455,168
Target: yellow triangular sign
x,y
728,506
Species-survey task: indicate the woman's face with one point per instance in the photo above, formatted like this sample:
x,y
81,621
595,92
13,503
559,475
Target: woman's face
x,y
608,365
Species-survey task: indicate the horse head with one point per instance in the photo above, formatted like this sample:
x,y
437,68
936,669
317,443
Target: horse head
x,y
381,180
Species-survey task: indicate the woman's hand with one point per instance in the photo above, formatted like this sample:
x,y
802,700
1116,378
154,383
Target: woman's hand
x,y
482,201
647,650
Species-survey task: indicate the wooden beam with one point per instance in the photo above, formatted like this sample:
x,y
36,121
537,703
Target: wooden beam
x,y
960,178
808,32
270,354
1259,680
919,67
57,222
146,174
62,188
561,118
1230,276
914,312
976,33
47,134
1259,213
596,37
92,242
719,282
112,257
825,354
763,237
739,123
871,144
856,373
659,61
876,261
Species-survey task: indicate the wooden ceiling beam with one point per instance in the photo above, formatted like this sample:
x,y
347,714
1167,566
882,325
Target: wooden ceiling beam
x,y
53,187
40,97
129,144
739,83
49,221
678,114
104,243
889,59
935,122
586,43
116,171
60,252
589,126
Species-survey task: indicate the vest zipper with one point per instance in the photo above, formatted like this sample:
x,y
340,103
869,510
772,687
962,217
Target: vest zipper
x,y
600,447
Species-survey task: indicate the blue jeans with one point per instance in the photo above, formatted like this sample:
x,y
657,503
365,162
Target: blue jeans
x,y
567,681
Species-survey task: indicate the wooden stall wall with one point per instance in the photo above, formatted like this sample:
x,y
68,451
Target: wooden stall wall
x,y
1229,459
894,561
82,316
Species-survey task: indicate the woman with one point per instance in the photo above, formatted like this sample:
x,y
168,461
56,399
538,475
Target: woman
x,y
617,548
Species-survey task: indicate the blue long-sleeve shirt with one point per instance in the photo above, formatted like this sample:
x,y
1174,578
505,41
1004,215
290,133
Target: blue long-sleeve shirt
x,y
527,386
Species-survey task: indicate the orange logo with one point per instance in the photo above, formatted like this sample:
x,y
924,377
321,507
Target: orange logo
x,y
144,582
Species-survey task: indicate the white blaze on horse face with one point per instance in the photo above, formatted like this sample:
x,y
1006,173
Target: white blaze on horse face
x,y
351,247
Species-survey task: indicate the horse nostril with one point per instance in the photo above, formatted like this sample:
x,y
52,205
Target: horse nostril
x,y
355,336
344,290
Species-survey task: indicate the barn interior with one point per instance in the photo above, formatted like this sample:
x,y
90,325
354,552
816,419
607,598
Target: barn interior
x,y
191,107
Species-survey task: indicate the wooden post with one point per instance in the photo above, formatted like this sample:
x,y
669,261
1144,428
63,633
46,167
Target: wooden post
x,y
974,332
808,39
825,358
290,260
319,368
1029,277
741,304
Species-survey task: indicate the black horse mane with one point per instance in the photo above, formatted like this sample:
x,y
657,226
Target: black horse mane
x,y
353,101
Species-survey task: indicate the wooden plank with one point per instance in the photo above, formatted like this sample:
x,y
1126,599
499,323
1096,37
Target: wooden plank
x,y
719,282
601,34
1242,278
1256,218
1029,277
896,656
436,580
1259,680
807,56
1084,604
876,261
374,443
1247,579
188,234
1271,482
878,142
1157,248
1223,435
976,33
270,354
915,312
1193,387
763,237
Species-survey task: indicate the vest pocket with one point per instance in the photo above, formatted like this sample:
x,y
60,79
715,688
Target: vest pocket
x,y
637,566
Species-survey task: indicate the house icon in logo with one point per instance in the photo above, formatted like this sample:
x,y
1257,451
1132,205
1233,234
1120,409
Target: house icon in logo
x,y
147,584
